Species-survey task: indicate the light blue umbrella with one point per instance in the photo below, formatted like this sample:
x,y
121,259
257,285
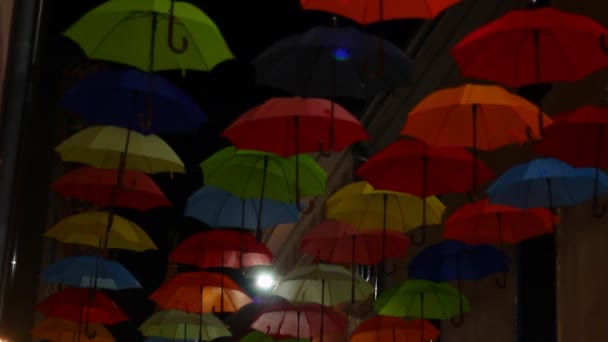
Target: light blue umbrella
x,y
80,271
546,183
219,208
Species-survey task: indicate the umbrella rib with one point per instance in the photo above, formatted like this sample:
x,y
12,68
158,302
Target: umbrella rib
x,y
109,32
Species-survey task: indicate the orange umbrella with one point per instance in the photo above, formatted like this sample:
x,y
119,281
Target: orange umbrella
x,y
201,292
387,329
60,330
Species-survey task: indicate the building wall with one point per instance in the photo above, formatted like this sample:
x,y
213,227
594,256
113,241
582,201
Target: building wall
x,y
6,13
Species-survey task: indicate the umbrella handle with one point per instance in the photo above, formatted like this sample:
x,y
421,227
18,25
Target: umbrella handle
x,y
323,151
457,321
604,44
531,136
308,209
91,335
421,241
472,197
599,211
501,282
171,44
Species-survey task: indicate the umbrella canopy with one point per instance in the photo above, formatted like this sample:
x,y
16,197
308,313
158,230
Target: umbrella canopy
x,y
98,186
135,33
255,175
103,147
91,229
288,126
88,271
222,248
133,99
371,11
483,117
333,62
219,208
178,325
546,183
387,328
525,47
78,305
60,330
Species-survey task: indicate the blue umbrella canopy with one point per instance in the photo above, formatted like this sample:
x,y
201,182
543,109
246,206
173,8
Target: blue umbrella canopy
x,y
219,208
80,271
547,183
131,98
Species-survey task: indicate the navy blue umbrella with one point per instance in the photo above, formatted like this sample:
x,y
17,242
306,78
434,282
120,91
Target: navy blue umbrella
x,y
455,260
134,99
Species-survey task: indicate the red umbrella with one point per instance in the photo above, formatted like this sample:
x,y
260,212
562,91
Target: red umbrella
x,y
304,320
339,243
580,138
78,305
540,45
98,186
222,248
482,222
393,329
292,125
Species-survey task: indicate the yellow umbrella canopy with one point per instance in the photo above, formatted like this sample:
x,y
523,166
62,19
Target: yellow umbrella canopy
x,y
103,147
359,205
59,330
177,325
90,229
324,284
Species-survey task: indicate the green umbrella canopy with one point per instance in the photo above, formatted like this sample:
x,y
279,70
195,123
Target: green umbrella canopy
x,y
121,31
178,325
422,299
245,173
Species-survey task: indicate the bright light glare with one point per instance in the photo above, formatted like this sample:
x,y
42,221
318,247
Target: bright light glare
x,y
264,281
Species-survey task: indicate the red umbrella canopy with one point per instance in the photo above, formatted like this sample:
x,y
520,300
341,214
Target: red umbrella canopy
x,y
580,138
531,46
388,328
80,305
482,222
413,167
292,125
98,186
222,248
337,242
302,320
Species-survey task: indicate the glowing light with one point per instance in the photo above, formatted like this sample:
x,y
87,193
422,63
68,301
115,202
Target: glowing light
x,y
341,54
265,281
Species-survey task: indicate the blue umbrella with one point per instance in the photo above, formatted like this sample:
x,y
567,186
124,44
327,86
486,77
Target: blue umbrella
x,y
547,183
133,99
219,208
80,271
333,62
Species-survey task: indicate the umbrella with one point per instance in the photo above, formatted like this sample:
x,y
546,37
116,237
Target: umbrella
x,y
78,305
60,330
98,186
121,98
90,271
90,228
333,62
413,167
200,292
303,320
104,147
260,175
222,248
288,126
178,325
338,242
387,328
525,47
162,339
257,336
370,11
454,260
220,208
240,321
578,138
546,183
483,117
135,33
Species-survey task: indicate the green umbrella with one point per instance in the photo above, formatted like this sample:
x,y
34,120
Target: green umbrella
x,y
257,175
135,32
180,325
256,336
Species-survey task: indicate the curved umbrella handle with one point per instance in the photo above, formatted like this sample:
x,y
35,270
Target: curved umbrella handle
x,y
90,335
308,209
599,211
501,282
416,242
604,44
171,44
457,321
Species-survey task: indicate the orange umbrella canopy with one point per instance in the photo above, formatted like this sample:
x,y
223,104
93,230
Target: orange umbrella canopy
x,y
201,292
60,330
393,329
483,117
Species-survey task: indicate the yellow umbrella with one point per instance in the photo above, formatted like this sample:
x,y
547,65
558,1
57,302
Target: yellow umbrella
x,y
104,146
90,229
59,330
359,205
